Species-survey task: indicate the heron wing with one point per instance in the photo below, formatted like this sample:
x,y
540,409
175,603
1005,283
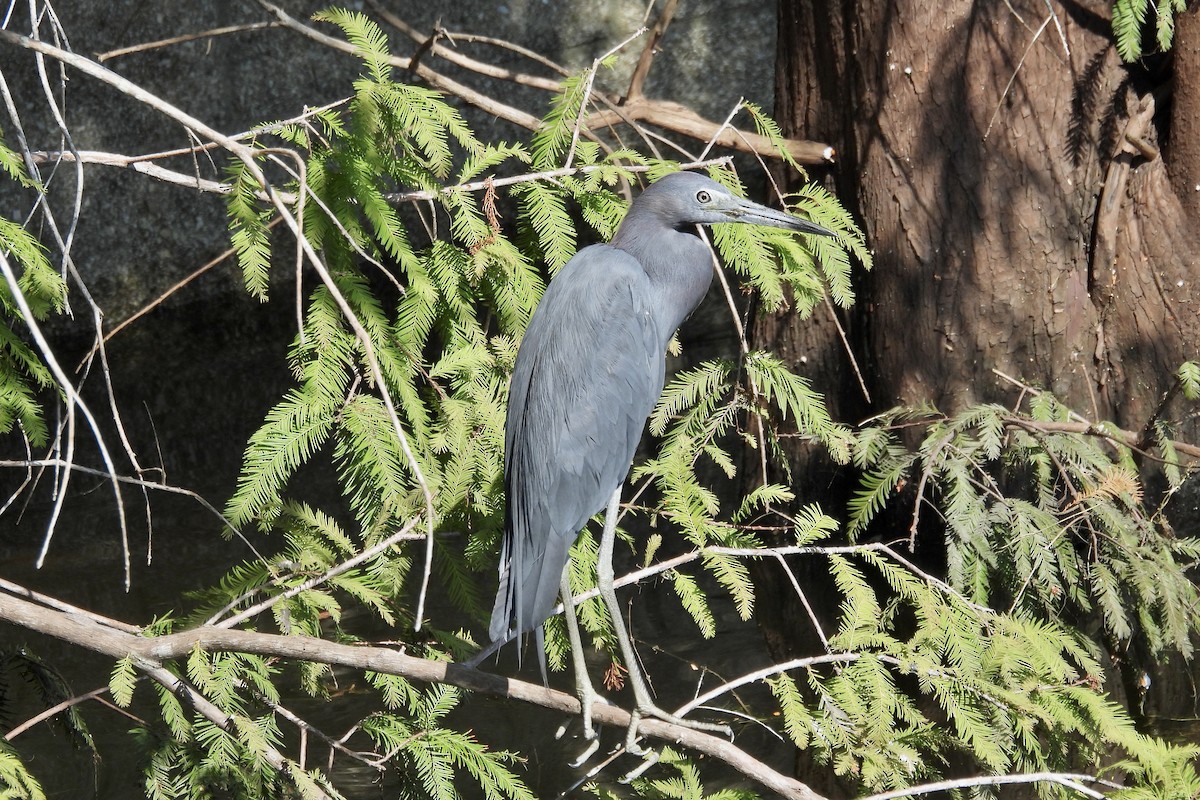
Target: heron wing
x,y
588,373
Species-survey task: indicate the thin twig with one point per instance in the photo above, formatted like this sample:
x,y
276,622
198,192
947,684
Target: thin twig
x,y
1016,71
587,92
1070,780
466,62
837,323
433,78
1062,35
139,164
803,596
54,710
75,400
766,672
175,287
70,466
186,37
311,583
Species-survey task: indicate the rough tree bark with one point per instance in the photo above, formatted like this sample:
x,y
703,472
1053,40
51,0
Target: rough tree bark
x,y
1022,197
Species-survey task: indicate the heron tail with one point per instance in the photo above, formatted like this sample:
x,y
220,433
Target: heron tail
x,y
529,584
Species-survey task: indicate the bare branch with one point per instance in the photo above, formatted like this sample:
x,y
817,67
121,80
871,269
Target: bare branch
x,y
466,62
74,400
671,116
587,92
55,710
1069,780
647,58
1079,424
69,466
433,78
683,120
138,164
766,672
175,287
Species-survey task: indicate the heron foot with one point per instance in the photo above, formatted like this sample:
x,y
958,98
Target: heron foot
x,y
651,710
587,696
587,753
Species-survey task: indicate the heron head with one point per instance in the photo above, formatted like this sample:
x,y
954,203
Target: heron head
x,y
684,198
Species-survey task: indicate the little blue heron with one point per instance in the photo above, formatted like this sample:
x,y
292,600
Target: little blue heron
x,y
587,375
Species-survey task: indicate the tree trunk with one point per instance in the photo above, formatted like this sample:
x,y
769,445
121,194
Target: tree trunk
x,y
1022,205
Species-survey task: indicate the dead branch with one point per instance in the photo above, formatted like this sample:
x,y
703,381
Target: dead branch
x,y
136,163
648,52
1079,424
661,113
683,120
430,76
437,50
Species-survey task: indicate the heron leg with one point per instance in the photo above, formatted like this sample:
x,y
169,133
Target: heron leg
x,y
583,684
605,581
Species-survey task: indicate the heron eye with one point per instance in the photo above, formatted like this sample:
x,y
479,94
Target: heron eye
x,y
703,196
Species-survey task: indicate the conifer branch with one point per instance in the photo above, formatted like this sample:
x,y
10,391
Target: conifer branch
x,y
1077,424
247,156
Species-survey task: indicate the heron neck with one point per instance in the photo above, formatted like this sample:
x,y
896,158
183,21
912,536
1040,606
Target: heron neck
x,y
678,264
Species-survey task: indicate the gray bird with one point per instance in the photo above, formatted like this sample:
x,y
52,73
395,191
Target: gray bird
x,y
587,375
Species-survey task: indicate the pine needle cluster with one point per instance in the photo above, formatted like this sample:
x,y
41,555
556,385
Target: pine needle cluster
x,y
1129,18
23,375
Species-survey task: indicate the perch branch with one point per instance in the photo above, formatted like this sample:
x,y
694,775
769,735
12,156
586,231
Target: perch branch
x,y
149,654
